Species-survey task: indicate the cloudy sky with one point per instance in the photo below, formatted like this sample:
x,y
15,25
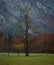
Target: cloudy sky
x,y
41,13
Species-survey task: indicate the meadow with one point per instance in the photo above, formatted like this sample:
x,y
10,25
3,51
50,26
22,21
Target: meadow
x,y
32,59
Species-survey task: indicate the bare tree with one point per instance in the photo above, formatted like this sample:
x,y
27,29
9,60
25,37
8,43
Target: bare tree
x,y
26,21
26,33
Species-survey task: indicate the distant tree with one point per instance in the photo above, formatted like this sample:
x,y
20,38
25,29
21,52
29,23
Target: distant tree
x,y
46,43
9,43
1,44
46,48
18,46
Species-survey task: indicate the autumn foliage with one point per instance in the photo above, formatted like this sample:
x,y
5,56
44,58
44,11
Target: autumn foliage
x,y
42,43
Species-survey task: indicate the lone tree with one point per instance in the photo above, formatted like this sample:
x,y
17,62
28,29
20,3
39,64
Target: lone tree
x,y
27,17
26,21
26,32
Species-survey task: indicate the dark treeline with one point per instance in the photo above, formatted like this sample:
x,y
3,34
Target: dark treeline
x,y
17,44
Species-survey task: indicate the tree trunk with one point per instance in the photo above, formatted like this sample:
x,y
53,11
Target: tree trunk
x,y
26,41
26,48
18,52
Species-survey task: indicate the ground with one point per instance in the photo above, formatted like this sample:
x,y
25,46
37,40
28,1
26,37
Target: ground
x,y
33,59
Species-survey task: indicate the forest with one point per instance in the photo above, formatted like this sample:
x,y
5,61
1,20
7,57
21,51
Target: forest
x,y
36,44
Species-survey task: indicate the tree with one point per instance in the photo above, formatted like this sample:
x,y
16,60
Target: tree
x,y
24,31
9,42
18,46
26,20
1,41
26,34
27,16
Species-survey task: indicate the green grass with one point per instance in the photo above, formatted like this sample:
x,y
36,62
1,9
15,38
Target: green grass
x,y
33,59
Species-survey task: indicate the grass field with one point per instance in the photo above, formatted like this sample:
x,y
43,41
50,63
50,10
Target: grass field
x,y
33,59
